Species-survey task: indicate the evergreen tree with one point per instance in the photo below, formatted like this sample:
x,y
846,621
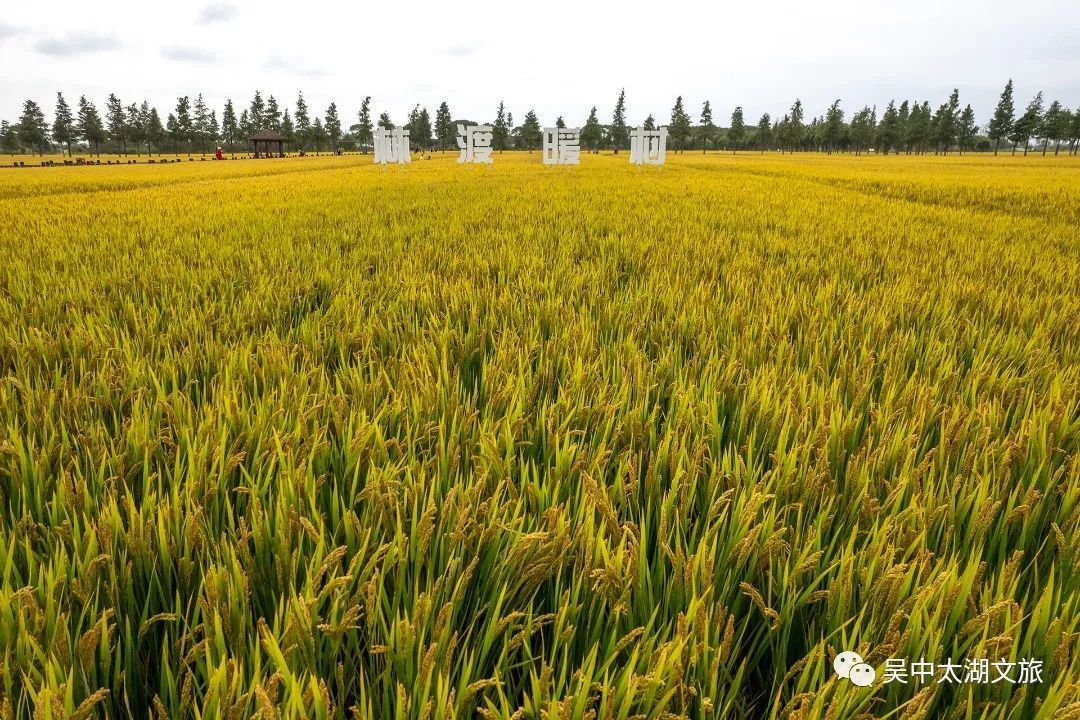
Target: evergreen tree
x,y
926,134
230,129
332,127
763,137
887,136
273,115
619,134
9,139
515,135
939,128
794,129
780,131
288,130
364,128
909,131
966,129
114,117
135,126
445,132
244,126
591,133
385,122
902,117
650,123
303,123
1001,124
862,128
707,129
155,132
918,130
531,133
833,130
184,127
90,127
32,129
560,123
143,114
214,128
172,130
737,132
868,139
500,130
63,129
1054,126
200,127
680,125
1074,132
257,113
945,125
412,124
1027,125
318,134
1069,123
420,128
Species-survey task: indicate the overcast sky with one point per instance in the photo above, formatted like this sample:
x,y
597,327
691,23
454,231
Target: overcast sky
x,y
559,58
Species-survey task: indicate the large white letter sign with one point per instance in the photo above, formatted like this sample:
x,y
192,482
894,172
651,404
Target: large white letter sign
x,y
562,146
474,141
648,147
391,145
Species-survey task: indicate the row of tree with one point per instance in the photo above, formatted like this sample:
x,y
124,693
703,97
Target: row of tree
x,y
192,127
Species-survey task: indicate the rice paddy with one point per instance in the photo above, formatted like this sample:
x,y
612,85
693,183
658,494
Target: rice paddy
x,y
310,438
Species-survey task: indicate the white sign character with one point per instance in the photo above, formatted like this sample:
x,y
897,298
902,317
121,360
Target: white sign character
x,y
648,147
474,141
391,145
562,146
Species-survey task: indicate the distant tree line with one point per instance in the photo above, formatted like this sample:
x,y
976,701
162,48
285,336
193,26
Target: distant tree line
x,y
909,127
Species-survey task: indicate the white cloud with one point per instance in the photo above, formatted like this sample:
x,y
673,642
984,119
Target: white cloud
x,y
7,30
217,12
78,44
279,64
181,53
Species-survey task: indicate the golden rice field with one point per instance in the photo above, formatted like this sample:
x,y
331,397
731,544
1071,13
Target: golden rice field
x,y
309,438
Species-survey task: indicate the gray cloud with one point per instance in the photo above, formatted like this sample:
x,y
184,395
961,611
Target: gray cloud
x,y
78,44
188,54
7,31
459,50
279,64
217,12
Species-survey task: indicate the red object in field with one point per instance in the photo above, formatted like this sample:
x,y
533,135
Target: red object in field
x,y
218,154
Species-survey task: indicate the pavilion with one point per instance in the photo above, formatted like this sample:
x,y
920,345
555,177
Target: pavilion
x,y
268,143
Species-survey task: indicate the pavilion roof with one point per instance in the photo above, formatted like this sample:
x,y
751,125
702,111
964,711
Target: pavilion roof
x,y
267,135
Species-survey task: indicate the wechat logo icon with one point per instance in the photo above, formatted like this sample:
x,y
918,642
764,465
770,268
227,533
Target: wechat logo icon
x,y
850,666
